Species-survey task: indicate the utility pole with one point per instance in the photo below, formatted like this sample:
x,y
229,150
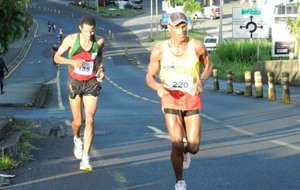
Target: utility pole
x,y
156,19
151,12
221,22
97,5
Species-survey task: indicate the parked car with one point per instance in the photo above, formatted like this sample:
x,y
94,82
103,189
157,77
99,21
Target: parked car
x,y
211,12
79,2
210,43
163,21
112,2
134,4
117,2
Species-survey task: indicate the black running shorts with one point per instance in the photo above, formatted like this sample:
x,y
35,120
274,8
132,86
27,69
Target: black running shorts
x,y
184,113
83,88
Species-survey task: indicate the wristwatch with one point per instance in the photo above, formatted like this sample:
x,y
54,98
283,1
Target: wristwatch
x,y
202,82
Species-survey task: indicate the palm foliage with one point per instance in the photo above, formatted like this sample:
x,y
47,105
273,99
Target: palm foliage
x,y
191,7
294,27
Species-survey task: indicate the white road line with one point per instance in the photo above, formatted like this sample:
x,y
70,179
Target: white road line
x,y
11,71
286,144
241,131
159,133
130,93
58,87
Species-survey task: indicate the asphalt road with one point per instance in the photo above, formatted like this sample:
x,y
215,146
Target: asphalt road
x,y
247,143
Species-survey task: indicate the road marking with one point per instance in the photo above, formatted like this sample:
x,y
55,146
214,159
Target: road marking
x,y
159,133
58,87
119,177
242,131
251,134
26,52
130,93
138,186
286,144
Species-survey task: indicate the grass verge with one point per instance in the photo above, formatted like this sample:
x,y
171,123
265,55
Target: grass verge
x,y
110,11
25,152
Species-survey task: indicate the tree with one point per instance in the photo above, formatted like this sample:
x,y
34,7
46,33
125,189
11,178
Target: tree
x,y
174,3
14,22
190,7
294,27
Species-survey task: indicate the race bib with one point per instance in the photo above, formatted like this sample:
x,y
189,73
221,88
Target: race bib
x,y
182,83
85,69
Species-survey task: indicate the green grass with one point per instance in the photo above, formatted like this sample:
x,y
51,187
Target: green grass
x,y
164,35
111,11
240,56
25,154
7,163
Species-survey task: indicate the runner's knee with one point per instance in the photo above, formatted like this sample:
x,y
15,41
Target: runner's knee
x,y
77,122
193,148
177,146
89,120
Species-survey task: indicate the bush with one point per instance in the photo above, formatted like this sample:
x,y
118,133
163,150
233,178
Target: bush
x,y
240,56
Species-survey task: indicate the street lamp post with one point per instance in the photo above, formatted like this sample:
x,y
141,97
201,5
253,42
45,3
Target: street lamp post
x,y
221,22
151,25
156,19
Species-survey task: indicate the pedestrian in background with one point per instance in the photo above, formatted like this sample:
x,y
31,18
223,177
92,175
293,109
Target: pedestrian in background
x,y
49,26
60,34
86,74
2,67
53,27
178,61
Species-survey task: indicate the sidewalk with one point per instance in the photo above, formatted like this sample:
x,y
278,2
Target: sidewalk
x,y
20,92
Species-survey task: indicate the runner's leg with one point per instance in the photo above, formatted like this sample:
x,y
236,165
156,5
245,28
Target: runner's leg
x,y
90,107
175,128
76,108
193,133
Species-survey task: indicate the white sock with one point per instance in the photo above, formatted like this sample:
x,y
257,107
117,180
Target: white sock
x,y
85,157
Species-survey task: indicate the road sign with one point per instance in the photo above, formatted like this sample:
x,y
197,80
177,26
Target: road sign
x,y
249,23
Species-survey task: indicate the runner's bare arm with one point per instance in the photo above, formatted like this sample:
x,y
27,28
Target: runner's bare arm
x,y
153,70
64,47
204,59
100,62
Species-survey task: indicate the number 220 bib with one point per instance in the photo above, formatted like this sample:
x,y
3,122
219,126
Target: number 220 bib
x,y
181,82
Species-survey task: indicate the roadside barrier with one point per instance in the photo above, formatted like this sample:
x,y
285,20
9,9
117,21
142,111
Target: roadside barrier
x,y
271,87
248,83
53,11
285,87
258,84
229,82
216,80
136,60
126,52
284,80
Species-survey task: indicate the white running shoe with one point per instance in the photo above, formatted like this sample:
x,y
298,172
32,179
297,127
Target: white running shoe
x,y
186,156
180,185
85,164
186,160
77,148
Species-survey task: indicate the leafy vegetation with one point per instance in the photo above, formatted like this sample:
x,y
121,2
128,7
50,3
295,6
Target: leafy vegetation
x,y
294,27
14,22
196,34
26,148
111,11
240,56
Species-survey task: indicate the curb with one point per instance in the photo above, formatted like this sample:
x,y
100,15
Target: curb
x,y
23,51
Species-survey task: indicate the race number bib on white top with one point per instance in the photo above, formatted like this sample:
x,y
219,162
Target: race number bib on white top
x,y
182,83
85,69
